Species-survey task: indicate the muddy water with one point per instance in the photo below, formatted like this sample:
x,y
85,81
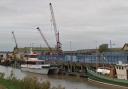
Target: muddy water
x,y
69,82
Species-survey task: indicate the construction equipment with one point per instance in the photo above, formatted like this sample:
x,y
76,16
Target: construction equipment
x,y
58,44
43,37
15,56
16,47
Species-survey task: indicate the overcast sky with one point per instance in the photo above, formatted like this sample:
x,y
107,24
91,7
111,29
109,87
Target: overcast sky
x,y
82,23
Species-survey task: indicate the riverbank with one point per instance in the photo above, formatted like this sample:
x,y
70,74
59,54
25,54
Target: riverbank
x,y
2,87
26,83
9,83
69,82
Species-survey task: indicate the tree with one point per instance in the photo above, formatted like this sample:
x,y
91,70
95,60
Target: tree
x,y
103,48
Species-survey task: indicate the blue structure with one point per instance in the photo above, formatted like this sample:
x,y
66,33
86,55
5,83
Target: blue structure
x,y
106,57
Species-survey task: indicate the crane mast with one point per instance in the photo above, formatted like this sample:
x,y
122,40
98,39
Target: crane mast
x,y
43,37
58,44
15,40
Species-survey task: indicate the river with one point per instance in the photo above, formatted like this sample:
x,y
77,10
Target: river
x,y
69,82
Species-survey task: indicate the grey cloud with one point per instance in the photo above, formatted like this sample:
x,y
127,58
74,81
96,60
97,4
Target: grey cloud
x,y
80,21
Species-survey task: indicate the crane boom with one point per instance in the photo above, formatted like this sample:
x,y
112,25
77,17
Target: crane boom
x,y
15,39
43,37
53,20
58,44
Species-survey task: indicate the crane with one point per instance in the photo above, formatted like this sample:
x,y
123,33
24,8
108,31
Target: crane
x,y
15,40
58,44
15,51
43,37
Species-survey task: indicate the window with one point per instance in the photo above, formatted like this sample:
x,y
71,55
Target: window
x,y
122,68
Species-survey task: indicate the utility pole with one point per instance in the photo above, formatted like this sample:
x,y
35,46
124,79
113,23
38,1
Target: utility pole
x,y
111,49
110,44
71,51
97,56
70,46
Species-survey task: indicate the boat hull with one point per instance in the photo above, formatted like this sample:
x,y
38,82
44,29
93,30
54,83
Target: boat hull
x,y
106,79
35,70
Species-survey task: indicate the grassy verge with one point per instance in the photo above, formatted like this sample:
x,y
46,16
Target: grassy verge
x,y
26,83
2,87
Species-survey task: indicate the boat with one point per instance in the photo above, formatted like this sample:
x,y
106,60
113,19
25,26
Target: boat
x,y
34,65
116,75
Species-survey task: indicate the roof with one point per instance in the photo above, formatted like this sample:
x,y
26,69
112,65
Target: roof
x,y
35,49
125,45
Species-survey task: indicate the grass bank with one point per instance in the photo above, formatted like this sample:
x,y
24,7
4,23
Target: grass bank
x,y
26,83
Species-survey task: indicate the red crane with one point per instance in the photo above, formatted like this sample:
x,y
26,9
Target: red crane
x,y
43,37
58,44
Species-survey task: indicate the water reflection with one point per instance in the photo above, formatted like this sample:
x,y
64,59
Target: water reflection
x,y
68,82
16,72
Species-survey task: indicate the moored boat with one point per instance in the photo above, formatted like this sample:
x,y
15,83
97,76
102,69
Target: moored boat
x,y
114,76
34,65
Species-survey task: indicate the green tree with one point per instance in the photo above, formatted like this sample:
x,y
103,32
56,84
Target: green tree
x,y
103,48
